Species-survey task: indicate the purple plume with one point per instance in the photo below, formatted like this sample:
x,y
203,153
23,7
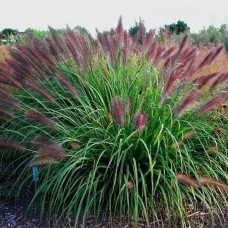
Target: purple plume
x,y
213,103
140,120
12,146
119,111
187,101
40,118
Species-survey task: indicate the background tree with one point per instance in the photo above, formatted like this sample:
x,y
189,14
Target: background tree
x,y
81,30
7,32
177,28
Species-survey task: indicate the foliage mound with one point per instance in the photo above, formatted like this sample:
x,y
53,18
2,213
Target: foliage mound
x,y
117,127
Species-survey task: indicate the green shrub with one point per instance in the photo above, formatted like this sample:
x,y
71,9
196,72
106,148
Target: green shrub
x,y
8,36
81,30
37,33
212,35
177,28
116,127
7,32
42,34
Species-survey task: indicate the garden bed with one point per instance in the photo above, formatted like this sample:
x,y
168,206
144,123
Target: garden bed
x,y
13,214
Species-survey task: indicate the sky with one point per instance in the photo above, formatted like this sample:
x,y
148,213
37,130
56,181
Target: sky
x,y
104,14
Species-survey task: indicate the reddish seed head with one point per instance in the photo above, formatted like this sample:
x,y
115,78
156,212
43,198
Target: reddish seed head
x,y
223,109
74,145
217,52
168,53
206,60
40,118
203,80
220,80
53,151
151,51
41,141
140,121
187,101
130,185
39,89
186,180
170,83
5,114
119,28
217,131
182,45
119,111
12,146
213,183
7,99
48,149
213,103
39,161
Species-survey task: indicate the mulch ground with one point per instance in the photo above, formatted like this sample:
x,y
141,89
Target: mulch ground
x,y
13,214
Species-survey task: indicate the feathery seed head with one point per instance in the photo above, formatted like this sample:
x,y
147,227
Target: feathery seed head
x,y
119,111
140,121
186,180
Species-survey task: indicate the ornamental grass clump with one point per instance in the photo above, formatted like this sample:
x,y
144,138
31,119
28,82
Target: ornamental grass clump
x,y
117,127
